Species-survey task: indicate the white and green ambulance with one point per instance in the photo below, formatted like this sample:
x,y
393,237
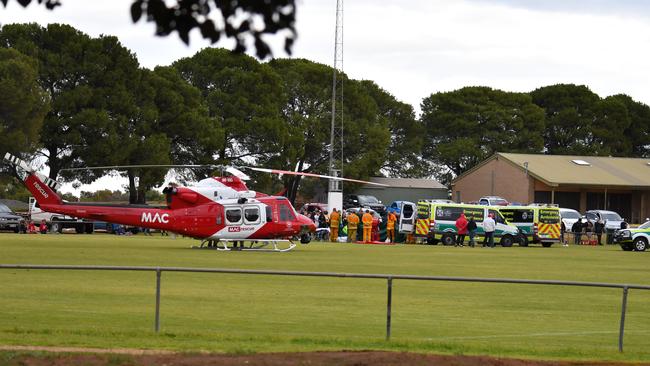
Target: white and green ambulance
x,y
437,222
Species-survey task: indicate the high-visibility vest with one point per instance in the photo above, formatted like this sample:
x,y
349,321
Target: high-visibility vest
x,y
367,220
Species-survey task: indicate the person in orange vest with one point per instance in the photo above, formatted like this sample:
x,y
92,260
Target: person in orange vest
x,y
390,226
367,225
353,224
335,218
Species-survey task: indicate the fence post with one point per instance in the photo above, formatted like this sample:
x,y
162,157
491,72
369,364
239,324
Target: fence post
x,y
622,329
157,323
388,307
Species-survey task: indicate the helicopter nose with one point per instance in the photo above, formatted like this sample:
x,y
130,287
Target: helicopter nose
x,y
306,222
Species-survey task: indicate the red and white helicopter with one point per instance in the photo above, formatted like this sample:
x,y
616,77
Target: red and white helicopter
x,y
216,210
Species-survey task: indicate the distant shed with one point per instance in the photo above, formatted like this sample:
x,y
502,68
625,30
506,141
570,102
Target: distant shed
x,y
404,189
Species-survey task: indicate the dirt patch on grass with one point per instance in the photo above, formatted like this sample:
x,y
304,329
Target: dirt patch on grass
x,y
70,357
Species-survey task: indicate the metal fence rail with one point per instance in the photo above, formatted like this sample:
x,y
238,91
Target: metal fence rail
x,y
388,277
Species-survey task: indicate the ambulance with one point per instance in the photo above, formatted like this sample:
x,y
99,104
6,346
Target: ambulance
x,y
436,221
539,223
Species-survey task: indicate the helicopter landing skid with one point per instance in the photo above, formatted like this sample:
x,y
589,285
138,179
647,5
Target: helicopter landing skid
x,y
260,245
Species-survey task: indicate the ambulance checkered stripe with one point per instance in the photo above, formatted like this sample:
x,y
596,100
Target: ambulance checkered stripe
x,y
422,226
552,229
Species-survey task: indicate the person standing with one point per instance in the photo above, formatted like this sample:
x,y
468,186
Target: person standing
x,y
335,219
577,231
353,224
322,227
562,234
461,229
471,230
390,226
489,225
599,227
589,230
367,225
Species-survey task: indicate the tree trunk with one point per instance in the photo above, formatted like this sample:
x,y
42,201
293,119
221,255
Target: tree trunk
x,y
133,191
294,184
54,163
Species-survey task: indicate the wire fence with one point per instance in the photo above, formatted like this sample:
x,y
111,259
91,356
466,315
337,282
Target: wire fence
x,y
388,277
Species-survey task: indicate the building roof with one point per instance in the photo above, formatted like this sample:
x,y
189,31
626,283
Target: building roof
x,y
555,170
407,183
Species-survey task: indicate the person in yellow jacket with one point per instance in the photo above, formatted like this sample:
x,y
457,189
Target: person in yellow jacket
x,y
390,226
353,224
367,225
335,219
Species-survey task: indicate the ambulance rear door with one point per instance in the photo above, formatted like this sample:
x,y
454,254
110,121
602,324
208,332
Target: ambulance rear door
x,y
406,217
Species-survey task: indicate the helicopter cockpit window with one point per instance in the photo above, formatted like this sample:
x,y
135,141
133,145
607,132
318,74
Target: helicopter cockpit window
x,y
233,215
252,215
286,213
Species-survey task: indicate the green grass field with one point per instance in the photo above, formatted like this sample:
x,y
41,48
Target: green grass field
x,y
245,314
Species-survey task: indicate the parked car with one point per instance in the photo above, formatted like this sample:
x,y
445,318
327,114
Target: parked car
x,y
365,201
375,214
612,219
493,201
10,220
634,239
313,206
569,217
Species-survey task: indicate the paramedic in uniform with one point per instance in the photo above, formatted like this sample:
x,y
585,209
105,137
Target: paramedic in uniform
x,y
353,224
390,226
335,218
367,225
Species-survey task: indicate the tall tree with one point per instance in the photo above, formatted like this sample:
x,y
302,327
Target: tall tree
x,y
184,117
307,114
243,96
89,82
404,155
611,117
638,131
465,126
23,103
570,112
241,20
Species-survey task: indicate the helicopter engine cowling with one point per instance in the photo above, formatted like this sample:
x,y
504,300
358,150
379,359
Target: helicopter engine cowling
x,y
188,196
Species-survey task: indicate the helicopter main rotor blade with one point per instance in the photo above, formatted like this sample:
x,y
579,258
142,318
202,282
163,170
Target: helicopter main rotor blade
x,y
237,173
289,172
123,167
229,168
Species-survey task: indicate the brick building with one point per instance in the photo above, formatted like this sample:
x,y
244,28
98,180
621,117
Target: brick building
x,y
578,182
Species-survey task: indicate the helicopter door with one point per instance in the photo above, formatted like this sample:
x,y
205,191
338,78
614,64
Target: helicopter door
x,y
406,217
251,215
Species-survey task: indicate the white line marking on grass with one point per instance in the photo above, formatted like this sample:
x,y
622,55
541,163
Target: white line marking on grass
x,y
539,334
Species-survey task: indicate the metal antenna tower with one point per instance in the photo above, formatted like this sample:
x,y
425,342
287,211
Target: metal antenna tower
x,y
335,191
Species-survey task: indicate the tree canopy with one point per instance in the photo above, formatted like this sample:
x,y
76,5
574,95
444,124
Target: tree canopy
x,y
23,103
306,111
465,126
81,101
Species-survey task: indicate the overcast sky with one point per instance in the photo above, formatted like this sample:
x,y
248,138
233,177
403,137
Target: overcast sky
x,y
418,47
